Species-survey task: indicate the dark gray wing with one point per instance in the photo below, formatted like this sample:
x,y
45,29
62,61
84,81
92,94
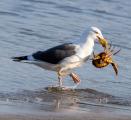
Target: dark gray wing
x,y
56,54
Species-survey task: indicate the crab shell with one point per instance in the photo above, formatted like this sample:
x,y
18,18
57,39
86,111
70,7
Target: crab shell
x,y
102,60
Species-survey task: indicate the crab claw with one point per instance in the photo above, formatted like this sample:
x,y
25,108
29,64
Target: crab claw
x,y
115,67
75,78
103,42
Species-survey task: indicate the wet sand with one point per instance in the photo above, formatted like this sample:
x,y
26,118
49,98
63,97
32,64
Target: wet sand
x,y
89,117
66,116
77,115
81,104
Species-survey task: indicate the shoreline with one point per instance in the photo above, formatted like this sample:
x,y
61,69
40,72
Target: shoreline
x,y
76,116
24,111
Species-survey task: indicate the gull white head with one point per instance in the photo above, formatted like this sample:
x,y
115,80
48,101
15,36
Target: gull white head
x,y
96,33
88,39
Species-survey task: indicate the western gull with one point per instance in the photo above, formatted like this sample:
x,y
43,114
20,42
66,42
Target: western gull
x,y
65,57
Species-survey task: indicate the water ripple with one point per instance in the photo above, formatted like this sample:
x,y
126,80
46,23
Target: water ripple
x,y
42,2
69,9
8,13
106,13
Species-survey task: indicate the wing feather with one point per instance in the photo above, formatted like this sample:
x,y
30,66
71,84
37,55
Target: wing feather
x,y
56,54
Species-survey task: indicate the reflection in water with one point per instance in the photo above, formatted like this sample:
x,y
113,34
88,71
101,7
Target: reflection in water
x,y
60,102
70,100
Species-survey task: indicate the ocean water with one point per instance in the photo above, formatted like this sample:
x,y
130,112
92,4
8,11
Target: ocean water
x,y
27,26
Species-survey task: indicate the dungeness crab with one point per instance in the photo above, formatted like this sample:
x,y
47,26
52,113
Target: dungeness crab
x,y
104,58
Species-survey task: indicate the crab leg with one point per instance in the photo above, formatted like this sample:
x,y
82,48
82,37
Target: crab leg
x,y
95,56
115,67
110,50
113,47
110,45
111,53
117,52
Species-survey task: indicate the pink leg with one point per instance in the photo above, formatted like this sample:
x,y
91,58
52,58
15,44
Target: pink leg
x,y
75,78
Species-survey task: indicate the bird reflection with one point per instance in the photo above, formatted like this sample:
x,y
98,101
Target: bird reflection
x,y
71,100
59,101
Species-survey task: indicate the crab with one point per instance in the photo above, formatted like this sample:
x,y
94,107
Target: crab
x,y
104,58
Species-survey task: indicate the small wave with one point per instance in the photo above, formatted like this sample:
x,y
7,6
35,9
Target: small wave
x,y
110,1
69,9
8,13
42,2
120,101
30,32
105,12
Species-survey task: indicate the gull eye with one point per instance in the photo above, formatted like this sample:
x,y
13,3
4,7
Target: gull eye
x,y
96,32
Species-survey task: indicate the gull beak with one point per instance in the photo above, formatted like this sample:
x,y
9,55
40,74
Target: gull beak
x,y
102,41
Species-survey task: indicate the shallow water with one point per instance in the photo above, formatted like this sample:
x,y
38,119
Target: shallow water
x,y
30,25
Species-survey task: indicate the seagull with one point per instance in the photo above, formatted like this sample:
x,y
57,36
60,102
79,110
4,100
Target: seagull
x,y
65,57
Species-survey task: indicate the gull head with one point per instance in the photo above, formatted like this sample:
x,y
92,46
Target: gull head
x,y
97,34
